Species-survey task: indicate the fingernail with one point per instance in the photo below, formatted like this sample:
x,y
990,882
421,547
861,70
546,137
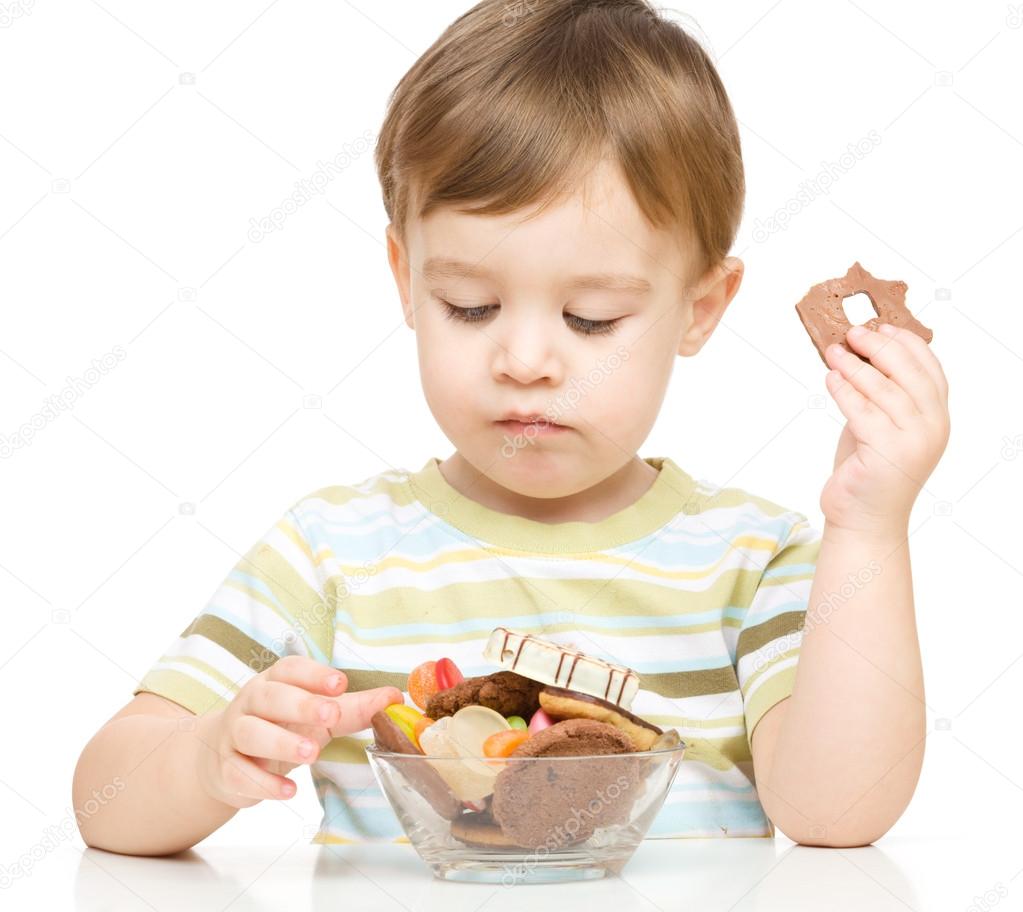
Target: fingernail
x,y
887,329
857,331
305,749
334,683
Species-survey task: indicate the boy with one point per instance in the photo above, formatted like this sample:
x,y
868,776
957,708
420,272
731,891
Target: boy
x,y
563,187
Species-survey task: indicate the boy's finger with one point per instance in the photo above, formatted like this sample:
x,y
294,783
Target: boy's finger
x,y
357,708
276,701
301,671
255,737
241,777
925,355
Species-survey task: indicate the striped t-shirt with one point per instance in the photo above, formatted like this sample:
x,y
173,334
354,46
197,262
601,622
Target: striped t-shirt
x,y
702,591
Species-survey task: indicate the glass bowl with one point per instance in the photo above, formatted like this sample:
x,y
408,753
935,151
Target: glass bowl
x,y
581,816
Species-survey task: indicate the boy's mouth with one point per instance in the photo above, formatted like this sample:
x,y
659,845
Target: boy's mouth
x,y
535,424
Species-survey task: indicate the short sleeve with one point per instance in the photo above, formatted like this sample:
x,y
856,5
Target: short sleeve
x,y
269,605
767,648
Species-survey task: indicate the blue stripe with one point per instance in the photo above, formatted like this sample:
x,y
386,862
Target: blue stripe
x,y
485,625
790,570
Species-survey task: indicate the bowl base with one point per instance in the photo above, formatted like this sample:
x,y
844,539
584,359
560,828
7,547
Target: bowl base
x,y
489,873
511,868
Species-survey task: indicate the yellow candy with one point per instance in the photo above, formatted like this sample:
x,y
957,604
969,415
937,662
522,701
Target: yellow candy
x,y
405,717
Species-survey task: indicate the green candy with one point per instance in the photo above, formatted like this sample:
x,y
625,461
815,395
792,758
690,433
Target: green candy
x,y
517,722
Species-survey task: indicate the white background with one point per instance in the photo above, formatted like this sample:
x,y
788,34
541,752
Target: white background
x,y
138,140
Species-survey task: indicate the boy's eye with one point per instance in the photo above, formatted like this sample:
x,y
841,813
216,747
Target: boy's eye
x,y
476,314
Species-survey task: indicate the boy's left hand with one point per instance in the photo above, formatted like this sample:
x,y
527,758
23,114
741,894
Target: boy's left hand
x,y
896,406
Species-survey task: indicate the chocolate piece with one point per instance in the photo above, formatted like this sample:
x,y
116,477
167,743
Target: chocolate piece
x,y
389,735
505,692
824,317
422,777
558,803
560,703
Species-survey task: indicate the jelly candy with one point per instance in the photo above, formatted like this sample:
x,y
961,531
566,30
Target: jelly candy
x,y
539,721
447,674
422,683
502,743
517,722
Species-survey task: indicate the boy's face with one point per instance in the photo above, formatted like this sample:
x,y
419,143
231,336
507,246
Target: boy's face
x,y
539,343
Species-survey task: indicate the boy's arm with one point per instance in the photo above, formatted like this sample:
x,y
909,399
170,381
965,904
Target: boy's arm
x,y
837,762
135,786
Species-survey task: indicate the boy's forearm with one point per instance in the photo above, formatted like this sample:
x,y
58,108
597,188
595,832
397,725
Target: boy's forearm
x,y
136,791
851,743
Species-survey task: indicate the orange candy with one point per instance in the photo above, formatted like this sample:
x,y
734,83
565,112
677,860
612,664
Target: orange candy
x,y
422,683
417,730
502,743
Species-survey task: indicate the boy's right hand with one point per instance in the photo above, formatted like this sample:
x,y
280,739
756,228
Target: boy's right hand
x,y
260,732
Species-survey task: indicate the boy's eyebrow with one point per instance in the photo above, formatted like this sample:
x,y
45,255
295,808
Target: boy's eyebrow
x,y
447,267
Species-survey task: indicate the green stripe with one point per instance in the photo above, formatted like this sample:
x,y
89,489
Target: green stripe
x,y
186,691
773,691
364,679
673,684
245,649
753,638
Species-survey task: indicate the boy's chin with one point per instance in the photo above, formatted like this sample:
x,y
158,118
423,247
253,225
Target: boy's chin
x,y
541,475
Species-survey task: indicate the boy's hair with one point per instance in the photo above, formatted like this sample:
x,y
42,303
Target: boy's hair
x,y
515,101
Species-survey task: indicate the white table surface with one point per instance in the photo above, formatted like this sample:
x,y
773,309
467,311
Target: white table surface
x,y
737,875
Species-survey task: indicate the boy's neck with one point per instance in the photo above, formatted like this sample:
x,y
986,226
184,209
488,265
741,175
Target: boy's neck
x,y
616,492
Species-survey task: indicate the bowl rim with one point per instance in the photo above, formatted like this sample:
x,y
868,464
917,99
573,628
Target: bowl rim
x,y
374,751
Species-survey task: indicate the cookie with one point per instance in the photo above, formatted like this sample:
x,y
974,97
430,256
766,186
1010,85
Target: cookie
x,y
421,776
560,703
505,692
480,830
552,663
824,318
552,803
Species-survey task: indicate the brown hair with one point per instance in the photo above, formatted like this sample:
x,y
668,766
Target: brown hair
x,y
514,100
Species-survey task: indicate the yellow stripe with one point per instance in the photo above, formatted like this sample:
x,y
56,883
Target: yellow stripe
x,y
474,555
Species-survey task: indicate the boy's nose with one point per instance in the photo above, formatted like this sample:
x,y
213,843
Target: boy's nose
x,y
524,351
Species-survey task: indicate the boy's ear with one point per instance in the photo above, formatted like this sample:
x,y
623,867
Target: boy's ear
x,y
714,292
398,258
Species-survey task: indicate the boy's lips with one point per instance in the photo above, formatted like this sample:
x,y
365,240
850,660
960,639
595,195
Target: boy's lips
x,y
518,423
